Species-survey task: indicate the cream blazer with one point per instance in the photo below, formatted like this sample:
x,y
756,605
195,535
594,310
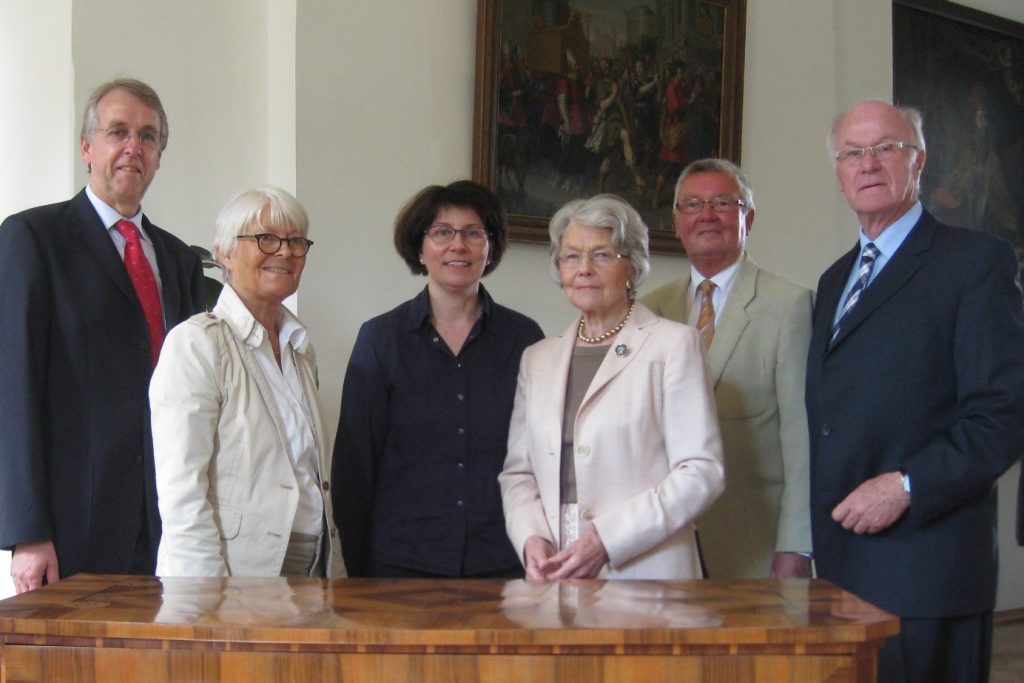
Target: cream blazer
x,y
757,362
648,451
226,486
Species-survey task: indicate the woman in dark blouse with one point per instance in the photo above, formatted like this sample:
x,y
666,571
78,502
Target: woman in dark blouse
x,y
426,403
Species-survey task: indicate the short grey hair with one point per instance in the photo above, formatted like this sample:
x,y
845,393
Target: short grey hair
x,y
612,213
261,207
139,90
911,115
719,166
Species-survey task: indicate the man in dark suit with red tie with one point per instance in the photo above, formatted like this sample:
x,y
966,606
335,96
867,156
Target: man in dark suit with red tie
x,y
915,405
89,288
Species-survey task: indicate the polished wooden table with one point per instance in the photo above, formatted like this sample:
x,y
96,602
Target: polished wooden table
x,y
121,629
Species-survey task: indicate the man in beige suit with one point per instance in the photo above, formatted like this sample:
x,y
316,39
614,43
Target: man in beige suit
x,y
756,327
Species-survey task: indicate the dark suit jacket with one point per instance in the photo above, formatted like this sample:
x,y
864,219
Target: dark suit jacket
x,y
927,375
1020,507
75,447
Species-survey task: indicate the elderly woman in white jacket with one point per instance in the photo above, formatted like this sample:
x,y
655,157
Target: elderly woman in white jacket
x,y
613,448
241,451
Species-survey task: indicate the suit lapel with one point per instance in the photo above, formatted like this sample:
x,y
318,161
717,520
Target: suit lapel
x,y
677,305
734,319
558,372
170,293
255,370
239,320
632,337
900,268
91,232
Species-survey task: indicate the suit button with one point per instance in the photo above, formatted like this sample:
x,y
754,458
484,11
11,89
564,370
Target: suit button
x,y
327,486
138,459
826,430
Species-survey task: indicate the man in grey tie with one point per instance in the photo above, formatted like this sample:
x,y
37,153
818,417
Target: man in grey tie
x,y
915,405
78,492
756,326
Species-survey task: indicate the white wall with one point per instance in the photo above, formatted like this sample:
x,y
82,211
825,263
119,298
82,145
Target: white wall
x,y
209,63
36,119
357,105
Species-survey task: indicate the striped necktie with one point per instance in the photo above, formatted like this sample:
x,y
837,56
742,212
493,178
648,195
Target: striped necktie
x,y
706,320
867,264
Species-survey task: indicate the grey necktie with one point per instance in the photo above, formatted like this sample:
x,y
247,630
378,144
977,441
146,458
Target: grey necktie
x,y
867,264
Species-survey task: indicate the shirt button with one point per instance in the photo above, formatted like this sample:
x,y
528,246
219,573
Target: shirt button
x,y
588,515
583,451
461,465
826,430
435,340
459,503
461,397
460,430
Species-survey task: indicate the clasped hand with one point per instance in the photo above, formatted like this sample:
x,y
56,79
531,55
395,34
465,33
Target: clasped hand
x,y
583,559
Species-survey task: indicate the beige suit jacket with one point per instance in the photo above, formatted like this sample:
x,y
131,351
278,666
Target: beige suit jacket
x,y
648,452
227,489
758,361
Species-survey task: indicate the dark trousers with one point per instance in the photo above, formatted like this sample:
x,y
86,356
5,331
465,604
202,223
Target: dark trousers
x,y
380,570
953,650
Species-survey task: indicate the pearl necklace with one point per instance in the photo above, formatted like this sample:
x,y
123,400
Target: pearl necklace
x,y
610,333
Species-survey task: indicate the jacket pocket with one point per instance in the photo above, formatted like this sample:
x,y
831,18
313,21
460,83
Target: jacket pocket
x,y
229,521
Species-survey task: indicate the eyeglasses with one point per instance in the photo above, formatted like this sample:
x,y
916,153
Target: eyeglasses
x,y
119,135
599,258
444,234
883,151
269,243
718,204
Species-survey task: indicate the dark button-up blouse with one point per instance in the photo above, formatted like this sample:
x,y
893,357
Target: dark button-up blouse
x,y
421,439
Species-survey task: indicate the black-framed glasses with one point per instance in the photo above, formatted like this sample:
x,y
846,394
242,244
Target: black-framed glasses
x,y
883,151
119,135
269,243
717,204
444,234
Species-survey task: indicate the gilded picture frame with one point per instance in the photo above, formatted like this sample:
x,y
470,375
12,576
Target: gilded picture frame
x,y
577,97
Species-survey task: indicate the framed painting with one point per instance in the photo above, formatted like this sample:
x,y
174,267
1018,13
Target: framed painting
x,y
578,97
964,70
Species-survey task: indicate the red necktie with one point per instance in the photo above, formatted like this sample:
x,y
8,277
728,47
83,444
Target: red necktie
x,y
141,274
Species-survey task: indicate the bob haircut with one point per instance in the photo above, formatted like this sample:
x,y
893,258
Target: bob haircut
x,y
419,214
262,208
719,166
612,213
139,90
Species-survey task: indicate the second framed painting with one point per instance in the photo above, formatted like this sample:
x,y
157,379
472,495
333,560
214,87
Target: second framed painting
x,y
578,97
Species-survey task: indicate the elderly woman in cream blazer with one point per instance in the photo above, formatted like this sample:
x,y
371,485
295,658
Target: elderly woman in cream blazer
x,y
242,456
614,446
